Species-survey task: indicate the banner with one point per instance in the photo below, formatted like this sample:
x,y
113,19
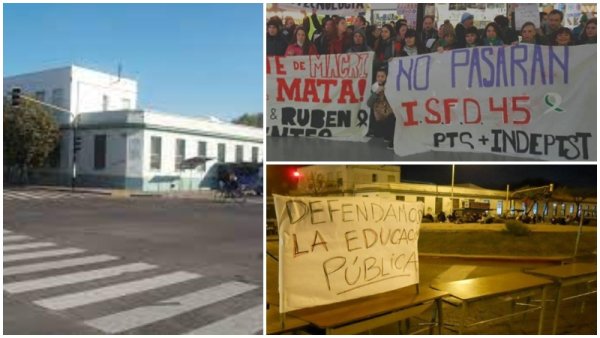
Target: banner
x,y
319,95
333,249
342,9
530,101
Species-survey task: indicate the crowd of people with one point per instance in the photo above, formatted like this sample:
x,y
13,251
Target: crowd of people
x,y
333,35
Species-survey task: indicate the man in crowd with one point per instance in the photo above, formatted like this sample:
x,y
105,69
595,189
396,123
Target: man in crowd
x,y
429,32
466,21
555,18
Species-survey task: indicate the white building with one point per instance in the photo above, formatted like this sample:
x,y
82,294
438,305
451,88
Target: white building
x,y
125,147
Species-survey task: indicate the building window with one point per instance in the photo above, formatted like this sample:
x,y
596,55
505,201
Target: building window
x,y
374,178
420,199
126,103
202,153
239,153
155,152
499,208
399,198
105,102
179,153
99,152
40,95
255,154
221,152
58,97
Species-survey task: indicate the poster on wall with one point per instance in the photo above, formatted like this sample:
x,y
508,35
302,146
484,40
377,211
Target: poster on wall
x,y
333,249
319,96
529,101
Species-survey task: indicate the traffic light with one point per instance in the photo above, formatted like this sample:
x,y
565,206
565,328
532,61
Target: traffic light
x,y
16,97
77,143
296,174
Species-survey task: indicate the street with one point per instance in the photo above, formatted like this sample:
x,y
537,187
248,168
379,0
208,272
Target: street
x,y
89,264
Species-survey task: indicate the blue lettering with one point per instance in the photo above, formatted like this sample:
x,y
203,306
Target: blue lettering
x,y
501,67
475,66
488,50
538,61
564,65
455,64
518,62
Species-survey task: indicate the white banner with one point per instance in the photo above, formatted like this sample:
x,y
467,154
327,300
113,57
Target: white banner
x,y
319,95
342,9
333,249
529,101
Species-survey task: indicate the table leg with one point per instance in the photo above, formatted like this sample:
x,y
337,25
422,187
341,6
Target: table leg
x,y
461,326
439,315
557,308
543,309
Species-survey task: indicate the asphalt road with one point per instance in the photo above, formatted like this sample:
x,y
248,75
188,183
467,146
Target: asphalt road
x,y
146,265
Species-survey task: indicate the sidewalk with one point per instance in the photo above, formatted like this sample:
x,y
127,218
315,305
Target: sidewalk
x,y
202,194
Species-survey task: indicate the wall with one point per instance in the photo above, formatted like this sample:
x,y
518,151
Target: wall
x,y
46,81
88,88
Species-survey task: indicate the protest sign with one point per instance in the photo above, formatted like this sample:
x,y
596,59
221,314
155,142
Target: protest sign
x,y
319,95
409,13
333,249
526,13
343,9
530,101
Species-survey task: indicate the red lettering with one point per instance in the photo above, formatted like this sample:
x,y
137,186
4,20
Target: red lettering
x,y
524,110
448,105
503,109
433,112
410,113
347,90
466,111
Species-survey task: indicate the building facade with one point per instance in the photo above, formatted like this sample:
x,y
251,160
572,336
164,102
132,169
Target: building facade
x,y
124,147
384,181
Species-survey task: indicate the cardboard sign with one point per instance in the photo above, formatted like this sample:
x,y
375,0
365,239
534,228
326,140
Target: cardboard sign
x,y
530,101
525,13
333,249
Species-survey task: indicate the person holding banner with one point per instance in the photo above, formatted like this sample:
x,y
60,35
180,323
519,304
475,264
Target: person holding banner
x,y
300,44
412,46
555,18
384,119
472,37
342,40
562,37
529,34
588,36
466,21
493,36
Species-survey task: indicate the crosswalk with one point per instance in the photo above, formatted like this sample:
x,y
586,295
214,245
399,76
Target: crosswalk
x,y
68,279
42,195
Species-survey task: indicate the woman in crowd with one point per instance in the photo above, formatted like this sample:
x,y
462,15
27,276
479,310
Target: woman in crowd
x,y
562,37
288,29
493,37
472,37
447,38
402,28
359,43
373,36
412,45
529,34
589,33
324,40
385,50
276,44
300,44
342,40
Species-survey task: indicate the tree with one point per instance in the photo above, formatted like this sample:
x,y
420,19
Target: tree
x,y
252,120
30,134
532,195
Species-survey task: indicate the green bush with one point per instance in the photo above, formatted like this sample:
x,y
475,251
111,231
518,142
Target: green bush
x,y
517,228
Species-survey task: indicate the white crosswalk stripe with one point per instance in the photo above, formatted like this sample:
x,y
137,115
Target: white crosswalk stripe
x,y
15,238
141,316
74,278
41,254
244,323
43,195
114,291
53,265
35,245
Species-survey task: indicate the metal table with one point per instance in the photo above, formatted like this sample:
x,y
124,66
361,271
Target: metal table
x,y
469,291
366,313
568,275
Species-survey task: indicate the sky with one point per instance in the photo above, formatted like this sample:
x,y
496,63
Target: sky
x,y
188,59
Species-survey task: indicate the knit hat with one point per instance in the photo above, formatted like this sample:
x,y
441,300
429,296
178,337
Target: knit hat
x,y
466,16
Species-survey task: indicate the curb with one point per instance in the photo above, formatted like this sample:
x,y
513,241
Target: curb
x,y
533,259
